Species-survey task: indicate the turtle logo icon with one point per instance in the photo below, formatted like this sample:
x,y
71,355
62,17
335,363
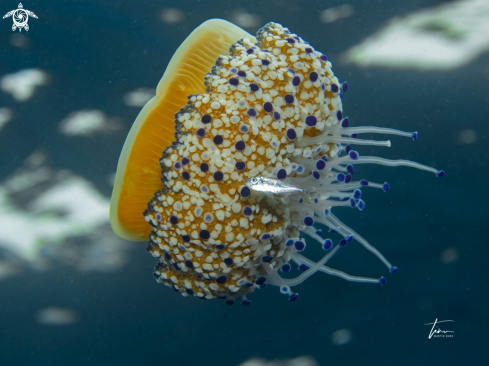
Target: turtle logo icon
x,y
20,17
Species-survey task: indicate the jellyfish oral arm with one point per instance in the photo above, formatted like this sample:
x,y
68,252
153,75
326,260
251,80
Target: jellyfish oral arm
x,y
395,163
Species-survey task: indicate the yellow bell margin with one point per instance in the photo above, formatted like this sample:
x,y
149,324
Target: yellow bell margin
x,y
138,174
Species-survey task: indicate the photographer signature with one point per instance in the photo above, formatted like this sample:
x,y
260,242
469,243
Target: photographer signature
x,y
435,330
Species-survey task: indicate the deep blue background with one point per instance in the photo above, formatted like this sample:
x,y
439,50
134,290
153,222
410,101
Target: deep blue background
x,y
97,51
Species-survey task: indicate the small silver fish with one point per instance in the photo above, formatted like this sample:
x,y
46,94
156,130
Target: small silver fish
x,y
272,186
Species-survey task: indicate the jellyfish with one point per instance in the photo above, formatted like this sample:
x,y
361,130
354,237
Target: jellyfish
x,y
231,106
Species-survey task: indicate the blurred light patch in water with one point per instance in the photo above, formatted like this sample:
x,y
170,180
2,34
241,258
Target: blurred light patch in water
x,y
172,16
88,123
22,84
442,38
5,116
338,12
57,316
341,337
466,137
52,216
8,269
139,97
298,361
449,255
245,20
19,40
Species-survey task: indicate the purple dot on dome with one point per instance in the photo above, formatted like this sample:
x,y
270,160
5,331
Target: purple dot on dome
x,y
218,139
289,98
268,107
297,38
234,70
339,115
345,86
282,174
218,176
244,128
221,280
291,134
242,73
204,167
200,132
185,175
204,234
228,261
186,238
189,264
240,145
323,86
254,87
265,62
320,164
291,71
308,221
334,88
290,40
247,211
345,123
173,220
353,155
309,50
311,121
220,246
206,118
233,81
245,192
251,112
167,255
276,116
240,165
296,81
158,217
324,58
177,165
189,291
249,51
341,95
185,161
313,76
299,246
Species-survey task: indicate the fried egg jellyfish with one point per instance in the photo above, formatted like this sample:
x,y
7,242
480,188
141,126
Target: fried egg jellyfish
x,y
269,106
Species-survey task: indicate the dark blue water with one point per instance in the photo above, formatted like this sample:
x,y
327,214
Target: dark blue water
x,y
96,52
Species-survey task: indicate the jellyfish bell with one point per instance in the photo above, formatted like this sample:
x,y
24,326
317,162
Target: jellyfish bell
x,y
232,111
138,174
